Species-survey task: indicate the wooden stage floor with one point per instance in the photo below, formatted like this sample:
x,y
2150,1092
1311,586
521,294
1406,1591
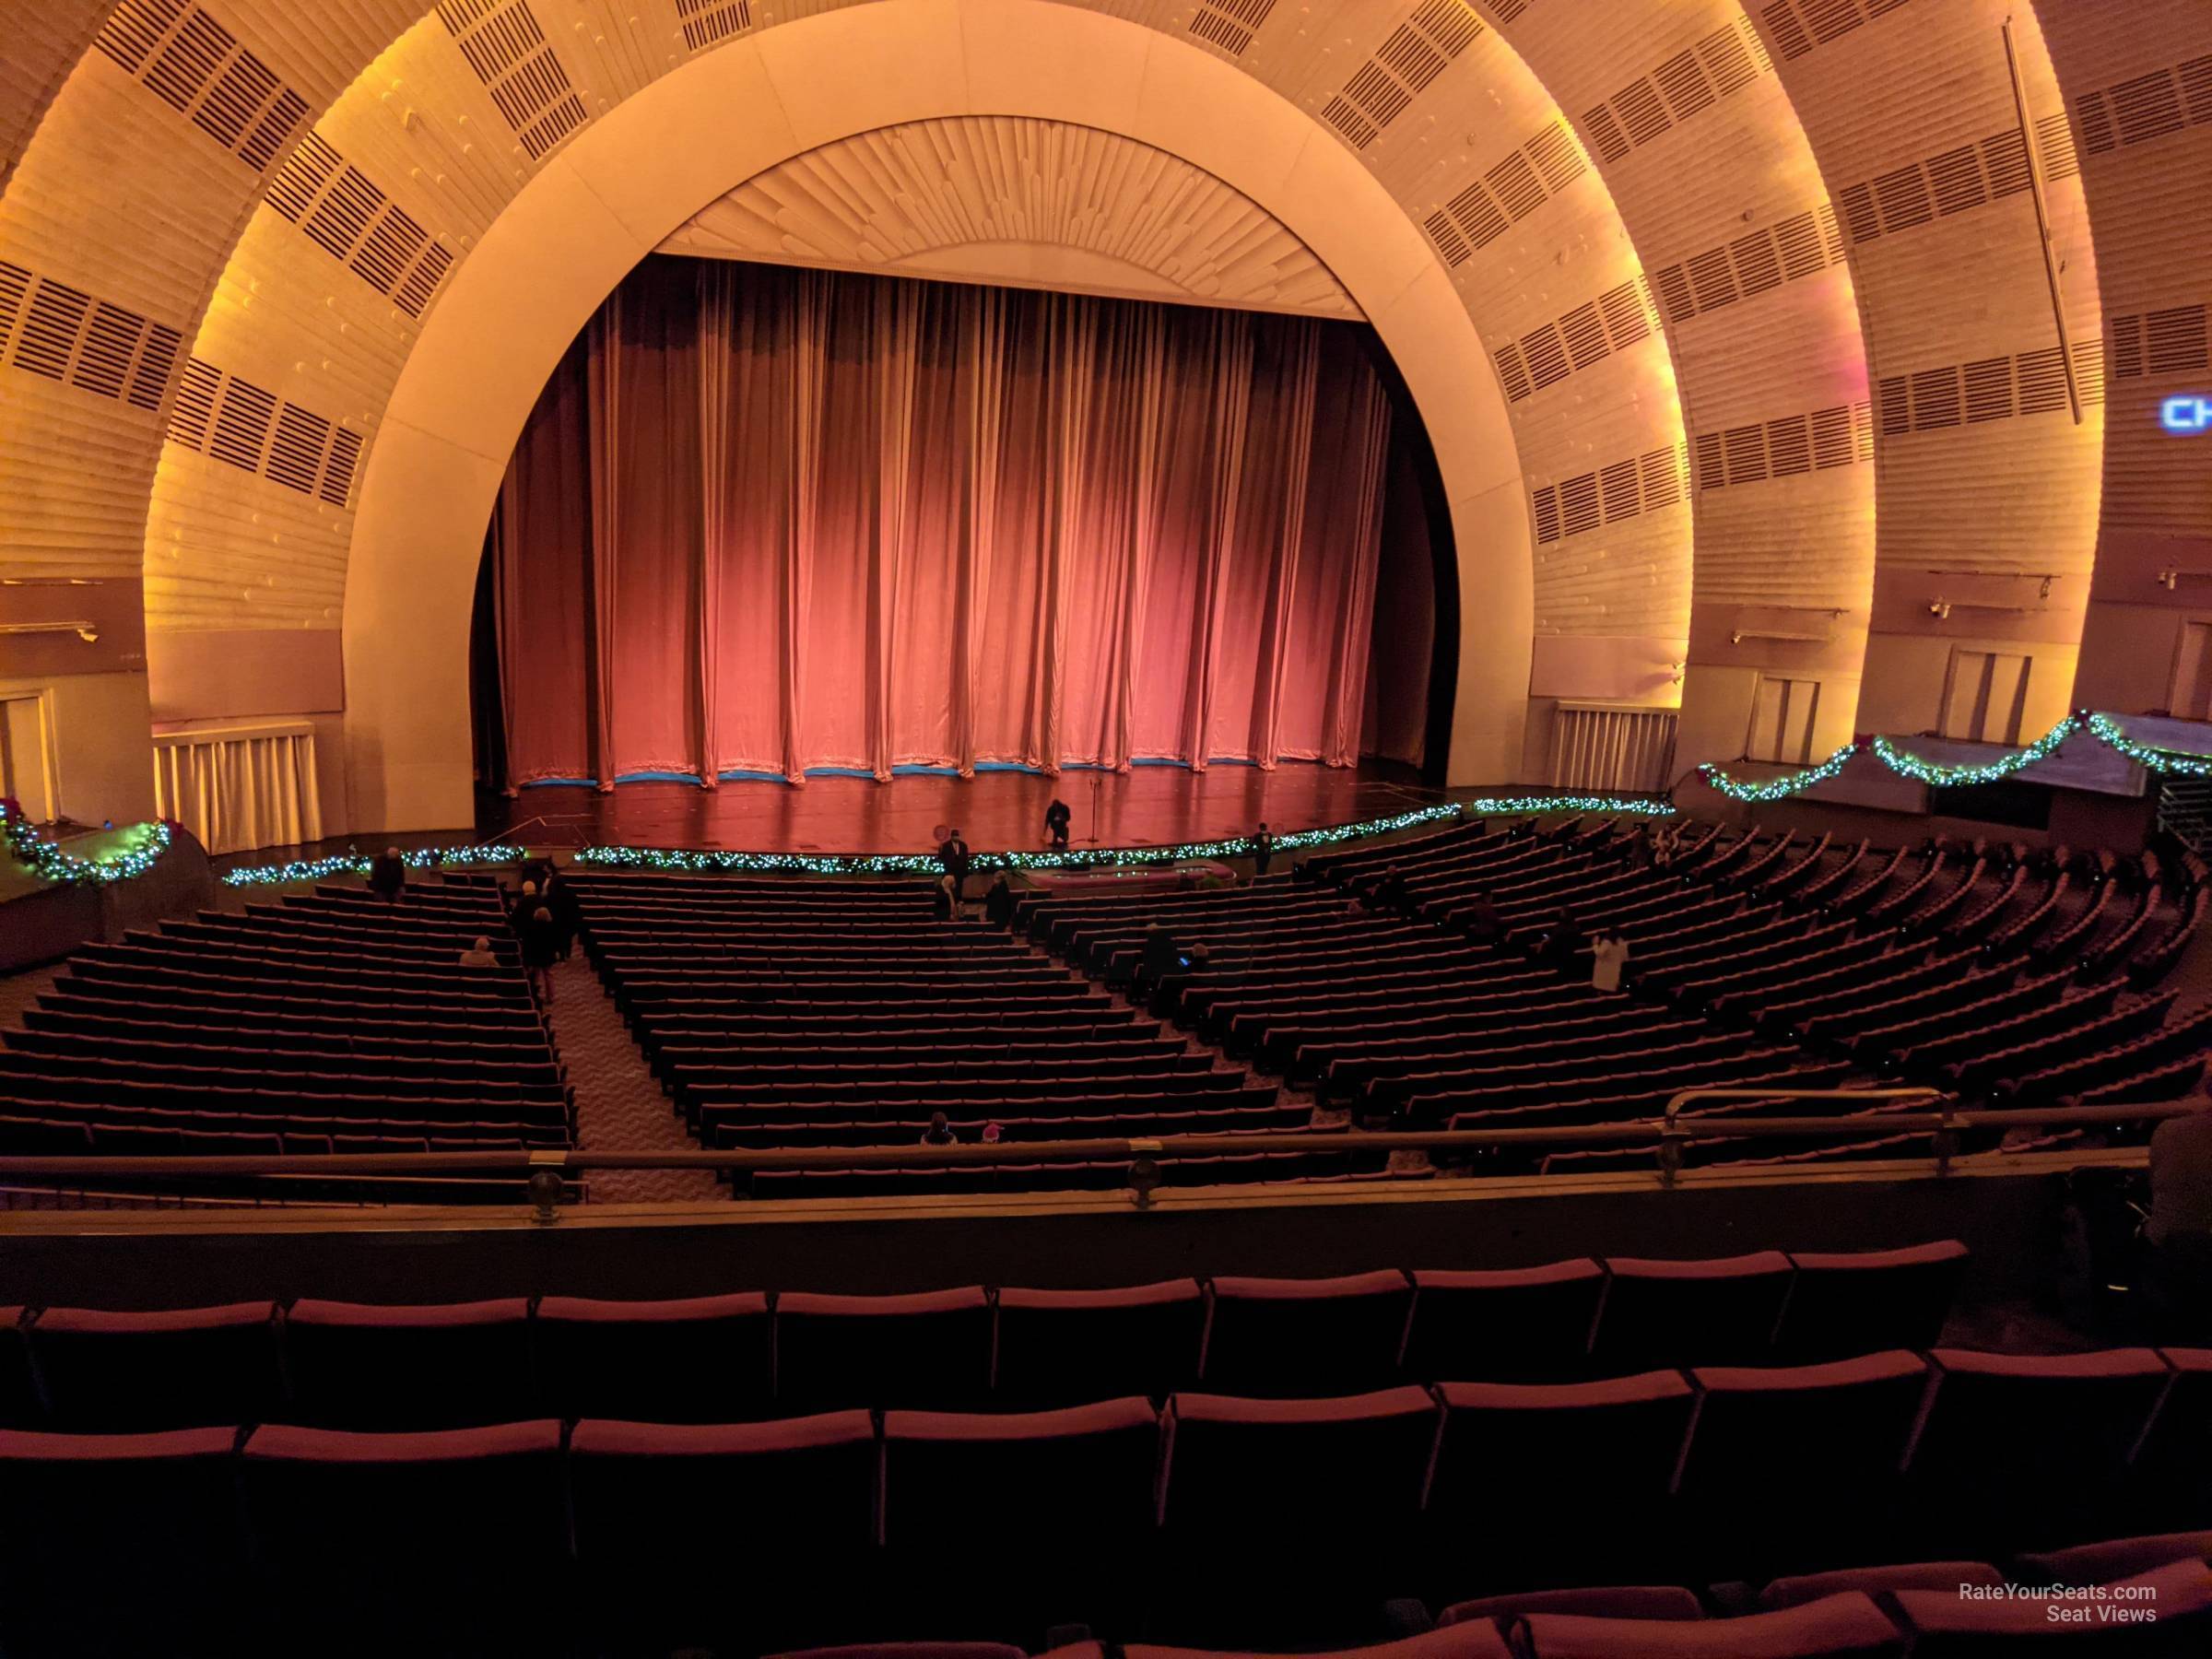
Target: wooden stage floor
x,y
1150,806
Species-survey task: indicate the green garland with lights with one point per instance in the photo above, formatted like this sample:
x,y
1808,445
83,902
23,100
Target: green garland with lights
x,y
2157,761
1240,846
1537,805
1776,789
45,859
2103,727
357,864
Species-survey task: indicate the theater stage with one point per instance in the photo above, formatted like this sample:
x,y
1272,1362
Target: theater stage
x,y
1148,805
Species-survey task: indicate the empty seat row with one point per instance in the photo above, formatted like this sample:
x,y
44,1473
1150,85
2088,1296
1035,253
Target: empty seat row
x,y
718,1358
1207,1517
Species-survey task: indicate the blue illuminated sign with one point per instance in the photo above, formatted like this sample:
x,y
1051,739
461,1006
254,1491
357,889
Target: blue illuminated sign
x,y
2186,414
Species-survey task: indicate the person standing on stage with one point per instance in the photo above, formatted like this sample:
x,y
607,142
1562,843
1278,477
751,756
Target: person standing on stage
x,y
1056,820
954,855
1262,850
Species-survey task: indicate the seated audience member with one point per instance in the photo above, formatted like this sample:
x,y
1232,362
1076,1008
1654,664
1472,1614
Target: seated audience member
x,y
993,1133
479,955
1562,949
939,1133
387,874
1157,955
1484,924
1390,892
998,903
1608,956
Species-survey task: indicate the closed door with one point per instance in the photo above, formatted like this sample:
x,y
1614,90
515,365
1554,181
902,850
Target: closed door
x,y
1987,695
23,768
1782,721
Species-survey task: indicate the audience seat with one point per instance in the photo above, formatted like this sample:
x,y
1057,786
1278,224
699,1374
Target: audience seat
x,y
1863,1301
2167,1611
2115,1559
186,1367
1589,1463
1064,1348
1876,1581
1303,1338
1471,1641
357,1365
1840,1429
1301,1500
1721,1311
2169,1476
1515,1324
442,1543
122,1544
1598,1601
693,1535
700,1360
19,1405
930,1352
2019,1449
1053,1512
1848,1626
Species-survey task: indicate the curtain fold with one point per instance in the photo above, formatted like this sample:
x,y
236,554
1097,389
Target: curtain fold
x,y
767,521
717,358
241,787
1230,374
985,336
604,367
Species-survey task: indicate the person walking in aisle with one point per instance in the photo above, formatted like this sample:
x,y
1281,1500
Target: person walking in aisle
x,y
954,855
1262,850
388,875
541,945
998,903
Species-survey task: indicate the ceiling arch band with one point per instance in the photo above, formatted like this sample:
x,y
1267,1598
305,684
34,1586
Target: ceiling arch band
x,y
1758,288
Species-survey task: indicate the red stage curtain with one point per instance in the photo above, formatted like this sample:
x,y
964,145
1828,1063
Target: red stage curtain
x,y
765,520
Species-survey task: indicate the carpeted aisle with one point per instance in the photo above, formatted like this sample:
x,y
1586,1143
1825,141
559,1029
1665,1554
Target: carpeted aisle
x,y
620,1107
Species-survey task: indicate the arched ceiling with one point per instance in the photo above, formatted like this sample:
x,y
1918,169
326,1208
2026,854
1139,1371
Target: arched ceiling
x,y
1764,286
1031,204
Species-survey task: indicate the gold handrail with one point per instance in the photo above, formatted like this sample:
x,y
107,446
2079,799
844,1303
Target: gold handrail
x,y
524,1161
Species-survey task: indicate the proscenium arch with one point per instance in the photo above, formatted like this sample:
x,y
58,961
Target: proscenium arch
x,y
633,175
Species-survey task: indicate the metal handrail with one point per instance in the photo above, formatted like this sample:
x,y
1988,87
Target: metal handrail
x,y
564,1160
